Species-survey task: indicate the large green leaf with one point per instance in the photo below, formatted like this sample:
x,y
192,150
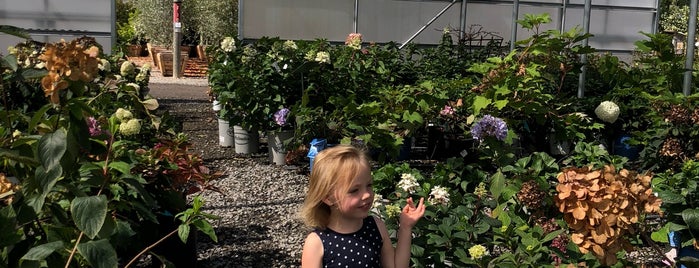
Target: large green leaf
x,y
121,166
479,103
99,253
8,225
40,252
9,61
497,184
14,30
45,181
52,146
88,213
691,217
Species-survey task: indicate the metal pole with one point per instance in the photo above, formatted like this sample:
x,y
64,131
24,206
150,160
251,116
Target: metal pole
x,y
113,29
176,38
564,10
583,57
356,16
689,63
240,20
428,24
462,19
515,17
656,17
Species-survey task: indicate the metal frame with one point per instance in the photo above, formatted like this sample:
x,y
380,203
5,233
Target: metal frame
x,y
563,6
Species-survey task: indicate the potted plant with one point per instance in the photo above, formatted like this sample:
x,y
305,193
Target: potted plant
x,y
128,39
74,162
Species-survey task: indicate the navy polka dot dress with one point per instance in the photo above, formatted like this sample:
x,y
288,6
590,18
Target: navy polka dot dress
x,y
358,249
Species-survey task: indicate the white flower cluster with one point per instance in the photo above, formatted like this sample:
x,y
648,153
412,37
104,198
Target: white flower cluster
x,y
290,45
127,68
408,183
249,53
228,44
439,195
322,57
129,125
104,65
607,111
123,114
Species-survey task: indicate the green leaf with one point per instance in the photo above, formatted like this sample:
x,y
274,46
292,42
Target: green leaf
x,y
52,146
89,213
497,184
122,167
150,104
40,252
691,217
183,232
29,74
9,61
479,103
501,104
45,181
661,235
8,225
206,228
99,254
14,30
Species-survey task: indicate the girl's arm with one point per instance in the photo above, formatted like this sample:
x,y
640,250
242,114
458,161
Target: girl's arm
x,y
400,256
312,256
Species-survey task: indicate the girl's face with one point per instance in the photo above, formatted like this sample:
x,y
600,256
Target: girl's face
x,y
357,201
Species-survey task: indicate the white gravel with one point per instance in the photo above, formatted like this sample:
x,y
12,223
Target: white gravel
x,y
157,79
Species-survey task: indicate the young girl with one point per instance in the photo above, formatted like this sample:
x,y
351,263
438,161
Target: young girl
x,y
337,206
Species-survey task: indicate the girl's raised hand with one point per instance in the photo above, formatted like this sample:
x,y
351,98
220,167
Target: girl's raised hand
x,y
411,213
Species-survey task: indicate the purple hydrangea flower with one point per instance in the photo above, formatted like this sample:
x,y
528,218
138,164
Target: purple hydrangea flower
x,y
489,126
280,116
93,126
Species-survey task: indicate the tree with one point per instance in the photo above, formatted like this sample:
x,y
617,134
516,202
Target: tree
x,y
206,20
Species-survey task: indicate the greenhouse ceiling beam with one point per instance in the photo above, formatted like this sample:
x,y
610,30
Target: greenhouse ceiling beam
x,y
546,4
689,62
428,24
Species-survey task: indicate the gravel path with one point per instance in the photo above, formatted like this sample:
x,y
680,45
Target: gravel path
x,y
258,202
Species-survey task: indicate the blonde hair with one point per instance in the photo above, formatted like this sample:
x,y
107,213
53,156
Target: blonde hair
x,y
334,169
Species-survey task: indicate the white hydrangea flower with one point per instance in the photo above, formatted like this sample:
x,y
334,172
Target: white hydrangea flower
x,y
123,115
104,65
131,127
127,68
408,183
378,201
322,57
607,111
290,45
228,44
141,77
145,68
310,55
439,195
